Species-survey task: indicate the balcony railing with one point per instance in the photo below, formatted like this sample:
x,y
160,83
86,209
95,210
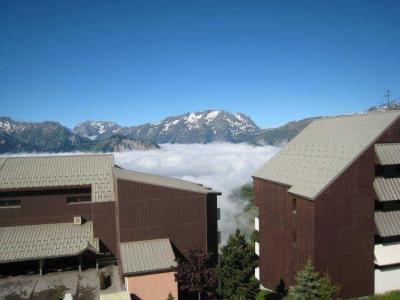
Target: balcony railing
x,y
257,273
257,223
257,248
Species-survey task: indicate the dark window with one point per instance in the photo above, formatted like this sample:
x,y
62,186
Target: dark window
x,y
294,205
10,203
294,236
79,199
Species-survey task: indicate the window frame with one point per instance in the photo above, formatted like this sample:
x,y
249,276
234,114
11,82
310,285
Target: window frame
x,y
294,237
294,205
7,203
69,200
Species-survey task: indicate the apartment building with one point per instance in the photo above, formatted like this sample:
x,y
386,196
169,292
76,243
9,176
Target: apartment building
x,y
332,195
80,210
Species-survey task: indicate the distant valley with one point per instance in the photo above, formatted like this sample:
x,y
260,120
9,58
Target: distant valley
x,y
105,136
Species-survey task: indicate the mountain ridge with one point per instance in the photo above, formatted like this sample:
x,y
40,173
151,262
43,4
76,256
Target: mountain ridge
x,y
106,136
50,136
192,127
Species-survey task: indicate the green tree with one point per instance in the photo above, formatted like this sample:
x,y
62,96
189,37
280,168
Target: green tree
x,y
170,297
311,286
328,289
236,271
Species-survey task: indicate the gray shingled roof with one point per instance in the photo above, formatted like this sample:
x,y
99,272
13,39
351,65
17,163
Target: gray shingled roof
x,y
387,223
324,150
387,189
147,256
388,154
161,181
59,171
18,243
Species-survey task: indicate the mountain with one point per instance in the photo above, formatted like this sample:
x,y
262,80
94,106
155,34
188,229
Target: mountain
x,y
9,144
279,136
196,127
384,107
97,129
120,143
53,137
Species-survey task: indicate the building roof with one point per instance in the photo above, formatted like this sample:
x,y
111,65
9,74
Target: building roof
x,y
147,256
19,243
388,154
323,151
387,189
388,254
387,223
59,171
161,181
122,295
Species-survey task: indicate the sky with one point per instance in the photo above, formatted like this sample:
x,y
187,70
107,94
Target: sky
x,y
140,61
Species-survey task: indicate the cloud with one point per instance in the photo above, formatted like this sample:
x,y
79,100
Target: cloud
x,y
222,166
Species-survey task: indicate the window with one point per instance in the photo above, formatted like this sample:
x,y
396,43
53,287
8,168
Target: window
x,y
294,205
79,199
294,236
10,203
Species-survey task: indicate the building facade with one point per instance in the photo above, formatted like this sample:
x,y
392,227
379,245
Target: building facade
x,y
324,197
83,209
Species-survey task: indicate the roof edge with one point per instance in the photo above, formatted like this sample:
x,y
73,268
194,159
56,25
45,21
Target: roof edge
x,y
358,155
155,271
206,192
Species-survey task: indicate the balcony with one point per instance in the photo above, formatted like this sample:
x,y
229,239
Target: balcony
x,y
257,223
257,248
257,273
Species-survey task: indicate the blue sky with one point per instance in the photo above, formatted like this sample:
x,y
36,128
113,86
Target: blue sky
x,y
140,61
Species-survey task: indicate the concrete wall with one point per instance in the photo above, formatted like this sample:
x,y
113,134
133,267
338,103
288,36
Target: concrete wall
x,y
153,286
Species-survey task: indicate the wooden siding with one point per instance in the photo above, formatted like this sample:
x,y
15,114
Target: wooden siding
x,y
44,209
212,227
53,208
280,258
344,235
104,225
150,212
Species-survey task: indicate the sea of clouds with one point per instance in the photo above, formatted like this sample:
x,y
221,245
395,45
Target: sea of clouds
x,y
223,166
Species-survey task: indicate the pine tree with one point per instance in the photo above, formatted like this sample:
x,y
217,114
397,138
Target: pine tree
x,y
170,297
236,271
328,289
311,286
194,274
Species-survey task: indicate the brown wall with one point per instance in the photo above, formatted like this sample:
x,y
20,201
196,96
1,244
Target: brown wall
x,y
104,225
280,258
344,235
43,209
151,212
212,227
53,208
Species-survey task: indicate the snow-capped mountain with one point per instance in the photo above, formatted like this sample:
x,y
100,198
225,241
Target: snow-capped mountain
x,y
197,127
53,137
97,129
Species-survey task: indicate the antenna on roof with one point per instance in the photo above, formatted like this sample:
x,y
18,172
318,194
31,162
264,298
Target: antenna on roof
x,y
387,95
